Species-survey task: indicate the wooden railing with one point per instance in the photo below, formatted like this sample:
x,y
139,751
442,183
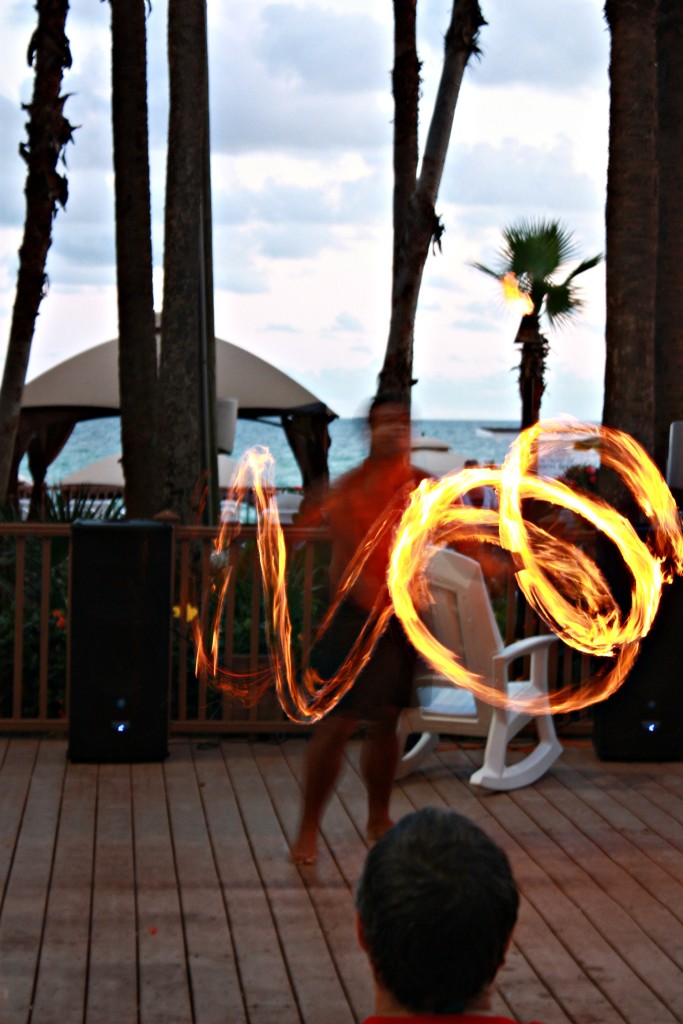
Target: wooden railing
x,y
200,707
35,638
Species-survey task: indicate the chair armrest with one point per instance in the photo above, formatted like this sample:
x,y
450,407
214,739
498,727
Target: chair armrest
x,y
520,648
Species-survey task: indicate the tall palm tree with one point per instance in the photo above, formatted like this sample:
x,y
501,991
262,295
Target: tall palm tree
x,y
187,369
631,229
416,223
668,404
46,189
534,251
137,343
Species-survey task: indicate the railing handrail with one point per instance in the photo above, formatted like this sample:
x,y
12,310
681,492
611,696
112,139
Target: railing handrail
x,y
29,664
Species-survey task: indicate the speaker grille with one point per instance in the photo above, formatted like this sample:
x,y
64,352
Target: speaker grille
x,y
120,634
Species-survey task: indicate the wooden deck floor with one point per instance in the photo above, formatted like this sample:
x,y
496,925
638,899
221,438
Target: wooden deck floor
x,y
163,893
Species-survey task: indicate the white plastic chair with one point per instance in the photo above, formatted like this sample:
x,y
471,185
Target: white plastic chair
x,y
462,619
288,504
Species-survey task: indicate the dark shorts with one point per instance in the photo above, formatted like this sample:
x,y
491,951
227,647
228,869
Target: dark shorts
x,y
385,683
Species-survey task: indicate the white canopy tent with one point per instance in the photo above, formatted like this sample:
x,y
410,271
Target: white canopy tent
x,y
90,380
86,386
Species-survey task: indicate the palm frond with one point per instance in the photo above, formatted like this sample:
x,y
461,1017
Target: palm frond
x,y
537,247
486,270
584,265
534,250
562,304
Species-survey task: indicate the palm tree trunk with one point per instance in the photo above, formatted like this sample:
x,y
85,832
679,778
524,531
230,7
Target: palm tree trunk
x,y
421,222
137,345
669,321
48,133
406,90
534,350
182,393
631,227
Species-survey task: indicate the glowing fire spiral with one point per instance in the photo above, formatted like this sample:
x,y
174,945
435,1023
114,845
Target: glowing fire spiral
x,y
561,583
313,697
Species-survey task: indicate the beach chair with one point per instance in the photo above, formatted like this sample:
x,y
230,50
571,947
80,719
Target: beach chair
x,y
462,619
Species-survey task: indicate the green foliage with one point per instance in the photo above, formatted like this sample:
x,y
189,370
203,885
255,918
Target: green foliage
x,y
65,506
536,248
534,251
68,506
35,551
31,603
249,619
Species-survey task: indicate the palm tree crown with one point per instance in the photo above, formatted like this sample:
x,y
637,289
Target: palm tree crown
x,y
534,251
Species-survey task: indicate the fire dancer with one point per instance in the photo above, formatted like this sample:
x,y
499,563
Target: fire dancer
x,y
436,906
381,484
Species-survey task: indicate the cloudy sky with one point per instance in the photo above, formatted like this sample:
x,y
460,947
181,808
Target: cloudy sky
x,y
301,116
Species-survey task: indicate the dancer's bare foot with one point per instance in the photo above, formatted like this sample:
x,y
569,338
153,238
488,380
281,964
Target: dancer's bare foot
x,y
376,829
305,850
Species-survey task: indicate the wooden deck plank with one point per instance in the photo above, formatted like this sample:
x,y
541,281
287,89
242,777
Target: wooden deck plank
x,y
25,899
608,896
636,845
630,877
342,836
113,961
659,784
331,895
547,917
216,992
632,786
262,969
312,970
164,892
418,790
164,988
621,820
15,778
531,988
601,938
63,970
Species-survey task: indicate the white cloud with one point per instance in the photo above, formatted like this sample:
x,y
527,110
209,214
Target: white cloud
x,y
347,322
301,116
324,50
556,47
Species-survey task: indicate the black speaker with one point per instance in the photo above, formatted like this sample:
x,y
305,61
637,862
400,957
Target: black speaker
x,y
643,720
119,618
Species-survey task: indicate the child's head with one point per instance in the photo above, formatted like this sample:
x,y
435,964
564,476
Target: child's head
x,y
437,904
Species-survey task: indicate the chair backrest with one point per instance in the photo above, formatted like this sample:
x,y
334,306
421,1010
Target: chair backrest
x,y
288,505
462,617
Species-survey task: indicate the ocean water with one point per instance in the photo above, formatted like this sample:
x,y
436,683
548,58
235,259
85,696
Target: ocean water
x,y
96,439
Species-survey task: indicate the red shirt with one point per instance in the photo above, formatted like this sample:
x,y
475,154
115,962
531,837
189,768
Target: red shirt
x,y
447,1018
353,506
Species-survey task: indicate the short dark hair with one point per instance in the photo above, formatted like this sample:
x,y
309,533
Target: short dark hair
x,y
388,398
437,903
